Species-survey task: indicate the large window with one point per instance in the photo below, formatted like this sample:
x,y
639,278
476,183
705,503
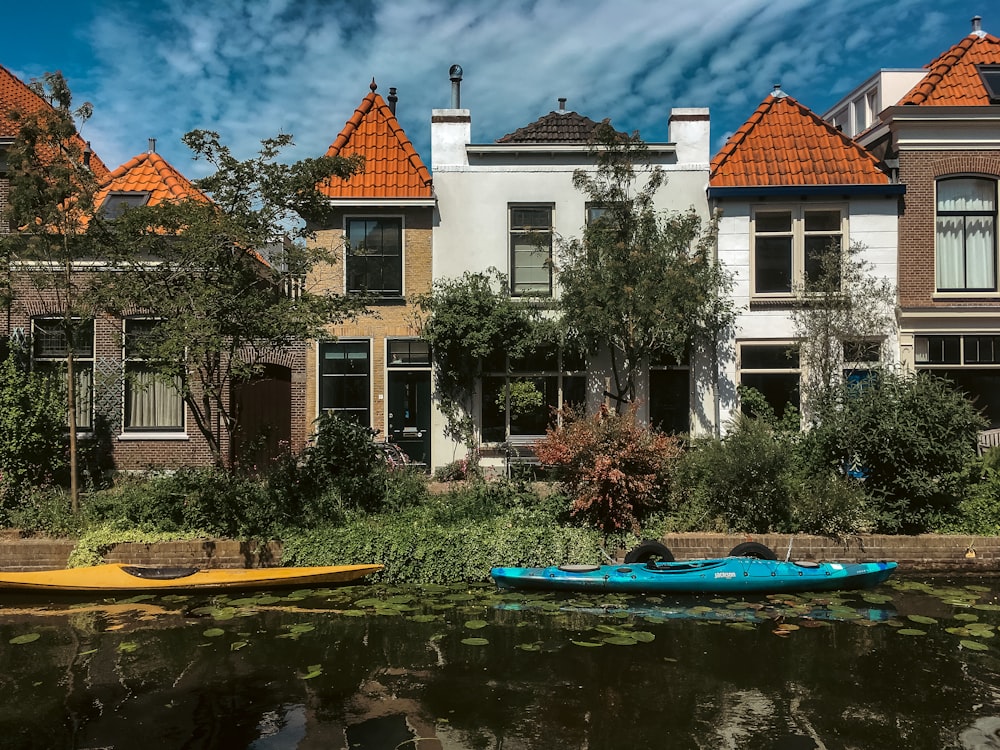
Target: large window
x,y
970,361
523,396
345,379
772,370
50,348
153,400
375,256
788,247
670,393
531,251
966,235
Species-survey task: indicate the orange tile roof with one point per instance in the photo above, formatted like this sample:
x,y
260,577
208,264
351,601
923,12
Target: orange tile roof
x,y
149,173
952,79
15,94
785,143
392,168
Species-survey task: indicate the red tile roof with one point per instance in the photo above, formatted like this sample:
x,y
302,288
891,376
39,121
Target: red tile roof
x,y
952,79
785,143
392,168
149,173
16,95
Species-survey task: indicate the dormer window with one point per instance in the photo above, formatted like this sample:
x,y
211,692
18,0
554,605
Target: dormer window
x,y
118,203
990,74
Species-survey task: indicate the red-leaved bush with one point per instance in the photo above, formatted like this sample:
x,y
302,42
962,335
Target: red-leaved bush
x,y
613,468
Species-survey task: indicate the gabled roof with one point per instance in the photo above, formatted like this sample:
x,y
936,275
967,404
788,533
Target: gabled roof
x,y
15,94
392,168
785,144
952,79
149,173
555,127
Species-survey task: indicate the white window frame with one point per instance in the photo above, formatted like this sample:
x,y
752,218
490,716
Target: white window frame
x,y
155,432
81,362
798,234
514,231
966,290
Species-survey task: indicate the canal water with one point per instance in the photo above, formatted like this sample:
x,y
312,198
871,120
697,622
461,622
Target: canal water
x,y
912,664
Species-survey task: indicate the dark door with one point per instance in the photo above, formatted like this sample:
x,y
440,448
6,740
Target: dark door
x,y
410,413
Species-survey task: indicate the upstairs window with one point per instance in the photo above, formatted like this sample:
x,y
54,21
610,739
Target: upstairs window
x,y
375,256
531,251
118,203
990,75
966,235
789,245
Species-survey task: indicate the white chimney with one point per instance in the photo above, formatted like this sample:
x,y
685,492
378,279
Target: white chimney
x,y
451,129
689,132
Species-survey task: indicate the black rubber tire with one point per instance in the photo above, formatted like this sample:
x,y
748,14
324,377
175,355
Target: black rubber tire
x,y
753,549
649,549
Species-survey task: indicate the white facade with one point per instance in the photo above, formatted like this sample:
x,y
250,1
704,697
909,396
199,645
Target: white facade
x,y
859,110
477,184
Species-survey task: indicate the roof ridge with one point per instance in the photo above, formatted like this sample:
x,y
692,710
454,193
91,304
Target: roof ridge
x,y
943,64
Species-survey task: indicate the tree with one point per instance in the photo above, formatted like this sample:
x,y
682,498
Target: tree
x,y
846,314
638,283
466,320
51,209
198,269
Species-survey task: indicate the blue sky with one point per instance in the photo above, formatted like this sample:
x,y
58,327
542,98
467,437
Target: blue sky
x,y
253,68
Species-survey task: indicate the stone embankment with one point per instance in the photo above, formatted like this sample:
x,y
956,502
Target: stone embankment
x,y
969,555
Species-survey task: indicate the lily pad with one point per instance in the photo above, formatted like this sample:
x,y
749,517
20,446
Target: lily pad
x,y
586,644
214,632
26,638
314,670
475,641
911,631
237,645
974,645
475,624
922,619
529,646
620,640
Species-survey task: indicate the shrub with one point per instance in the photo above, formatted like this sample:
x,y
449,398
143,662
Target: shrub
x,y
741,483
33,441
614,470
913,438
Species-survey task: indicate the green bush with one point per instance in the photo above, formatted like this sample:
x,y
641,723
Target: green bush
x,y
741,483
912,438
830,505
33,440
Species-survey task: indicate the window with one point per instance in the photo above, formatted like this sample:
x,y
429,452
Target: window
x,y
345,379
118,203
49,348
966,234
521,401
375,256
773,370
531,250
970,361
670,393
409,353
153,400
990,75
789,246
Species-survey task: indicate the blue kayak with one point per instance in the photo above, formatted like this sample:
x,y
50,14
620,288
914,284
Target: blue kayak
x,y
724,575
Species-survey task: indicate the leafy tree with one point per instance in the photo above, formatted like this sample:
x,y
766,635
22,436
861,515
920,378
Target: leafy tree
x,y
844,308
613,469
32,429
638,283
467,320
911,438
51,208
198,268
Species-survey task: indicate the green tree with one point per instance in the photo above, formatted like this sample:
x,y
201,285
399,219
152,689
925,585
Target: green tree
x,y
225,278
467,320
51,209
846,314
639,282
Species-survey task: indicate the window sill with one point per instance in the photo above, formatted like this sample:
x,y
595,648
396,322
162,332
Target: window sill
x,y
955,296
153,435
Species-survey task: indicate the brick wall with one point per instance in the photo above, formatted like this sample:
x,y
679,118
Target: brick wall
x,y
919,170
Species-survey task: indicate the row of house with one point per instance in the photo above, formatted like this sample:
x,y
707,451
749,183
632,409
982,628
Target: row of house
x,y
905,168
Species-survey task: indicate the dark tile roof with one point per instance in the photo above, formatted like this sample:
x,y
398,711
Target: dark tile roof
x,y
555,127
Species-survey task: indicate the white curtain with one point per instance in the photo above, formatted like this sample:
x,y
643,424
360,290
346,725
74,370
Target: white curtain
x,y
965,241
154,402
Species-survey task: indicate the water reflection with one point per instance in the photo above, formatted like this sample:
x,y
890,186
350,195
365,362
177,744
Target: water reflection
x,y
910,665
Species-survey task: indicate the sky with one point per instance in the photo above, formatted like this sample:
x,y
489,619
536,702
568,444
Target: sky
x,y
250,69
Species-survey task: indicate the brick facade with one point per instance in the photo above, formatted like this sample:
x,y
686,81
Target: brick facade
x,y
391,319
919,170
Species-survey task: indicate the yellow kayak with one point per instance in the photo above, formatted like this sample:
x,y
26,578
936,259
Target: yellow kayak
x,y
117,577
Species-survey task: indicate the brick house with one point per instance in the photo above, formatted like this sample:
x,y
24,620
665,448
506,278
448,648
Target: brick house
x,y
376,369
943,136
788,184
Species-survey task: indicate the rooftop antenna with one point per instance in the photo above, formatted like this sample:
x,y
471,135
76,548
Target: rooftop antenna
x,y
455,73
